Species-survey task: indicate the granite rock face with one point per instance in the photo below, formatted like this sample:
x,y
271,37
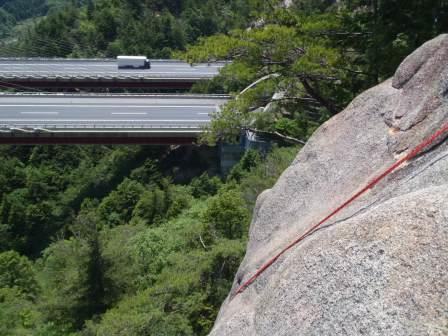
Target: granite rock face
x,y
381,266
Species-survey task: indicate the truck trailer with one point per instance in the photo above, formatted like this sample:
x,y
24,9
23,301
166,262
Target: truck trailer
x,y
133,62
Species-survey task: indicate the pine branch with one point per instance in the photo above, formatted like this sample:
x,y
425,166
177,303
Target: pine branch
x,y
316,95
278,135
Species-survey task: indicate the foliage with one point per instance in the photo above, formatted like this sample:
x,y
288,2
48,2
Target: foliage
x,y
23,9
17,314
16,272
108,28
250,159
391,30
123,248
65,282
263,175
180,283
227,216
120,270
7,22
290,58
99,240
117,207
205,185
303,64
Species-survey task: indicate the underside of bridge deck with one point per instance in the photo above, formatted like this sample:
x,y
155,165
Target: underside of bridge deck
x,y
73,84
95,139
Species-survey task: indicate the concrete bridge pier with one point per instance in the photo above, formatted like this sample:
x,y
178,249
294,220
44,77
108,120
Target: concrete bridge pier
x,y
230,154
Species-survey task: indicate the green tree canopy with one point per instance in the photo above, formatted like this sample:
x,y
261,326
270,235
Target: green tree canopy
x,y
17,272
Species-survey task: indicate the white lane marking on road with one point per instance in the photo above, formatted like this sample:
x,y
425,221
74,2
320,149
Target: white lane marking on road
x,y
203,113
105,106
129,113
39,113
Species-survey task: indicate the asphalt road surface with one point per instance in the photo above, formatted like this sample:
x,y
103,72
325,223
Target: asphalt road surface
x,y
116,112
50,68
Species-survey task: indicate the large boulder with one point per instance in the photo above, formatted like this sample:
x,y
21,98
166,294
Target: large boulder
x,y
381,266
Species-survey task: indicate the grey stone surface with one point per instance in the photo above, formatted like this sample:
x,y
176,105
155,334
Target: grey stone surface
x,y
381,266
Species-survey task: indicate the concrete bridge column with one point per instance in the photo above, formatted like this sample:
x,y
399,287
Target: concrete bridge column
x,y
230,154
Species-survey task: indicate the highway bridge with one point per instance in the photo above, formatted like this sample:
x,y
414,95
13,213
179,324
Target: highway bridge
x,y
107,119
93,73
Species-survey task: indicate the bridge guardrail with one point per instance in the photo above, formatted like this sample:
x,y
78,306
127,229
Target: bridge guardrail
x,y
115,95
60,59
102,76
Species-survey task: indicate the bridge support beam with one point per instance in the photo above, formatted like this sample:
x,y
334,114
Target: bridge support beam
x,y
93,84
95,140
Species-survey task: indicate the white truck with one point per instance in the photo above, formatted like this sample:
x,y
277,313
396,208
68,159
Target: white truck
x,y
133,62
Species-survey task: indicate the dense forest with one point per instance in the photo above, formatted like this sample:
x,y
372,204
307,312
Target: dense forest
x,y
100,239
13,12
108,240
104,28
